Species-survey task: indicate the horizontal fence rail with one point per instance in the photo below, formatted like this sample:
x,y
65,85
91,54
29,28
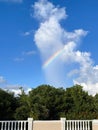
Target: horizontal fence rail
x,y
13,125
78,125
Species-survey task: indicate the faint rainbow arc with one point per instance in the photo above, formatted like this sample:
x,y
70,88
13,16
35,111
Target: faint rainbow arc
x,y
52,58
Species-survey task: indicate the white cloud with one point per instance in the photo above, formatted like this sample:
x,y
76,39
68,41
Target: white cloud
x,y
91,88
15,88
2,80
29,53
18,59
27,33
13,1
15,91
48,37
28,90
10,87
18,91
52,37
44,10
23,55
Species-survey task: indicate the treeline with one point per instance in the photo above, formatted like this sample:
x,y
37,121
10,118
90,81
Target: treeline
x,y
47,103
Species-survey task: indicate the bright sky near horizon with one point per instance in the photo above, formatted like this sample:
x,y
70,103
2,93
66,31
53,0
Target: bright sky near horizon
x,y
49,42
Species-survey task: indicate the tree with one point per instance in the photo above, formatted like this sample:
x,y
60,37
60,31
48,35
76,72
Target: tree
x,y
8,104
23,110
47,102
95,114
78,104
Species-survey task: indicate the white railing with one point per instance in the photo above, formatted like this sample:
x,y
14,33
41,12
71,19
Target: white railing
x,y
13,125
17,125
78,125
28,124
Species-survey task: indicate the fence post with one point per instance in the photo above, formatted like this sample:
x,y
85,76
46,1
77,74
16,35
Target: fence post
x,y
95,125
30,123
63,123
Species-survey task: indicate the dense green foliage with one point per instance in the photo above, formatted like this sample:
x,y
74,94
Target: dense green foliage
x,y
8,105
47,102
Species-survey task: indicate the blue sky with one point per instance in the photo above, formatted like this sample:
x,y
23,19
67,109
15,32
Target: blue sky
x,y
59,33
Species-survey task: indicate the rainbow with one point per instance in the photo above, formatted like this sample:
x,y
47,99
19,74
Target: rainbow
x,y
52,58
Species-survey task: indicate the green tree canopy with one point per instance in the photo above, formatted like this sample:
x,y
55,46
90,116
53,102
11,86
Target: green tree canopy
x,y
8,104
47,102
23,110
78,104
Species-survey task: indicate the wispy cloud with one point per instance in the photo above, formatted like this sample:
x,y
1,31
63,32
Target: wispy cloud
x,y
2,80
71,64
6,86
27,33
29,53
19,59
24,55
18,91
13,1
15,88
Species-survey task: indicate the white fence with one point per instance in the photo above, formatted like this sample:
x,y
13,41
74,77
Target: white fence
x,y
13,125
16,125
78,125
28,125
